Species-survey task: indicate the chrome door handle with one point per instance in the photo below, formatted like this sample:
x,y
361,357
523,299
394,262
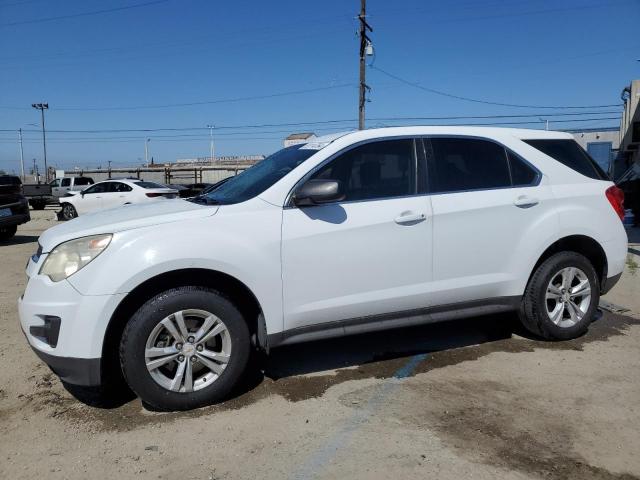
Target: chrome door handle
x,y
525,201
410,218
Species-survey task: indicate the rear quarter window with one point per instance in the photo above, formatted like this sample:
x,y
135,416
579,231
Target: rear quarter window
x,y
570,154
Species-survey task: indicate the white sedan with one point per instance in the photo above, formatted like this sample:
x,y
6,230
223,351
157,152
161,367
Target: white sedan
x,y
111,194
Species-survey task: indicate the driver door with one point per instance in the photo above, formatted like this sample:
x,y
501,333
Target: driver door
x,y
91,198
367,255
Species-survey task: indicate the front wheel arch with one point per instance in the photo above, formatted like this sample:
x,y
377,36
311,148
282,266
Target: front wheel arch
x,y
234,289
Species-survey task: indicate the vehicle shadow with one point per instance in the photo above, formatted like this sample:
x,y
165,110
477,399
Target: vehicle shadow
x,y
323,355
19,239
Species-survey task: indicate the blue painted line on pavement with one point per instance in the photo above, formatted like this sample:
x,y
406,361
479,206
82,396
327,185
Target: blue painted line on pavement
x,y
339,440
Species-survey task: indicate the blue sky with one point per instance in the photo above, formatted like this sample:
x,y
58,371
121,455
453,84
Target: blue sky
x,y
100,71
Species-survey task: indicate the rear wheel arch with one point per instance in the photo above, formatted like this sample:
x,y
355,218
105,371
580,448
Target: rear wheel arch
x,y
582,244
235,290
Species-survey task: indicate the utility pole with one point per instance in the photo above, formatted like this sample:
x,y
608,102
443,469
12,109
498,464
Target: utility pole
x,y
364,42
21,153
146,152
42,107
212,151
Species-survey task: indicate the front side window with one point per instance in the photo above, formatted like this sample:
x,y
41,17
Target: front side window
x,y
374,170
55,183
459,164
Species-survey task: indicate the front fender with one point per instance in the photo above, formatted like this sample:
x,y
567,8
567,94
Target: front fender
x,y
246,248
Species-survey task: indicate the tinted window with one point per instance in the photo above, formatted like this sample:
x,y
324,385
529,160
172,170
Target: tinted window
x,y
374,170
83,181
569,153
258,178
66,182
459,164
97,188
521,173
119,187
55,183
150,185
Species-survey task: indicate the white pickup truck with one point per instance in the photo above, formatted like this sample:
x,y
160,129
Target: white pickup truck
x,y
40,194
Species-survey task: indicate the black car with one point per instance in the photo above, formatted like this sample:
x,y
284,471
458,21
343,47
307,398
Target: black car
x,y
14,208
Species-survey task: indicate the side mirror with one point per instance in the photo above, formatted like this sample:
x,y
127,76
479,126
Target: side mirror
x,y
317,192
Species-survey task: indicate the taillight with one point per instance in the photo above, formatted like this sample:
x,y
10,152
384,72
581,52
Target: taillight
x,y
153,195
616,199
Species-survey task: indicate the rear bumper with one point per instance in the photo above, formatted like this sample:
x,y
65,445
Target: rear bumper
x,y
14,220
76,371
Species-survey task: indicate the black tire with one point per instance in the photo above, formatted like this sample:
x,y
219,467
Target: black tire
x,y
38,204
69,211
149,316
533,310
8,232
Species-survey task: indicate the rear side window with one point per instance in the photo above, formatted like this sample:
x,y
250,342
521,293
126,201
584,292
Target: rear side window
x,y
149,185
460,164
374,170
83,181
570,154
66,182
118,187
522,174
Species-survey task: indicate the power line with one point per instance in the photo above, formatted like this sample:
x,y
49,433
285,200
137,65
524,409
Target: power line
x,y
486,102
190,104
325,122
85,14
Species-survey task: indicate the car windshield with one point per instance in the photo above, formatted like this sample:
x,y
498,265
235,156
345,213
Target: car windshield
x,y
258,178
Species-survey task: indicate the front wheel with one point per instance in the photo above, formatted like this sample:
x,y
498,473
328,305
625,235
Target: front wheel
x,y
185,348
561,298
69,211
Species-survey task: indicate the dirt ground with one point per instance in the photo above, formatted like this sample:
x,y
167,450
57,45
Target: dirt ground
x,y
467,399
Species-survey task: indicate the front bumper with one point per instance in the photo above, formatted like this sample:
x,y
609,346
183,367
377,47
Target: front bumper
x,y
77,371
65,328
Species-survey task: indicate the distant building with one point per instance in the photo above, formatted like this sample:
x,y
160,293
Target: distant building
x,y
629,128
601,143
297,138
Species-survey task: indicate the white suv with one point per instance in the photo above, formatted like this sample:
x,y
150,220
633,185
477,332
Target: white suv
x,y
356,232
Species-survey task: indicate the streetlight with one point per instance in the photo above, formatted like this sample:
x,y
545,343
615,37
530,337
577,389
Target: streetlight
x,y
546,122
213,157
42,107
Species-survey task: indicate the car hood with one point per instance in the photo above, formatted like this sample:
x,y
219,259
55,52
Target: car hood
x,y
126,217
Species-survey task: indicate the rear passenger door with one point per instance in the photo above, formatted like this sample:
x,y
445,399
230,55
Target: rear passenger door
x,y
485,199
117,194
367,255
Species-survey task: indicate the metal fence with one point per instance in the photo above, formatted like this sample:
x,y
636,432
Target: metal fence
x,y
167,175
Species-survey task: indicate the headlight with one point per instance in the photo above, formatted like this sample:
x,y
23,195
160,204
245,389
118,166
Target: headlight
x,y
69,257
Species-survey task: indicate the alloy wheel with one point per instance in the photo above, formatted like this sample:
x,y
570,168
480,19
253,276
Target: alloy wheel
x,y
568,297
188,350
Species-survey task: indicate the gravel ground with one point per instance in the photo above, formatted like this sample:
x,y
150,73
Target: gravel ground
x,y
474,398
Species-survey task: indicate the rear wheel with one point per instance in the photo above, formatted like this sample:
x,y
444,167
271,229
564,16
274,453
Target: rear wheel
x,y
69,211
8,232
185,348
561,298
